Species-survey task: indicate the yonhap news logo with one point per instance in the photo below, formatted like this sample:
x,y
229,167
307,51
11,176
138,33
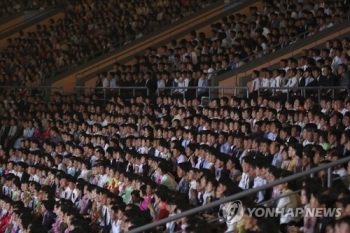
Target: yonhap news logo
x,y
234,211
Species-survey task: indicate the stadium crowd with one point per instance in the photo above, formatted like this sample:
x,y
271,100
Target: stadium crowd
x,y
75,165
235,41
102,27
326,67
88,30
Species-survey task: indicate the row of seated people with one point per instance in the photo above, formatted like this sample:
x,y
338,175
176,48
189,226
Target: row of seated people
x,y
314,68
88,30
76,166
326,67
237,40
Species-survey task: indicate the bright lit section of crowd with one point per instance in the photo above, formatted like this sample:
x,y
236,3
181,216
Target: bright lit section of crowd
x,y
73,166
77,164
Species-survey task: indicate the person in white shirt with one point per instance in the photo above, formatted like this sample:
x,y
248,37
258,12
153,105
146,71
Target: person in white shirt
x,y
116,224
112,80
58,162
339,169
337,59
105,81
192,54
166,178
66,187
272,80
309,137
75,195
230,39
103,177
105,217
181,159
259,181
182,83
292,80
245,178
160,83
32,173
183,53
85,174
277,77
265,81
256,82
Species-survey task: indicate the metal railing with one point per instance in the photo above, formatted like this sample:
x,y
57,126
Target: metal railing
x,y
277,47
298,191
35,8
39,91
264,203
21,22
207,90
120,44
23,9
246,193
304,90
105,91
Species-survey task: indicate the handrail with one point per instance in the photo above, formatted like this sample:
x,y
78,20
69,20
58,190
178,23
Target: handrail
x,y
31,87
303,90
27,8
106,89
22,13
42,89
52,74
297,191
245,193
24,9
112,88
134,88
277,198
208,88
274,199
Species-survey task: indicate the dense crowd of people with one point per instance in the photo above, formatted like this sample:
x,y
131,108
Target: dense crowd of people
x,y
235,41
88,30
75,165
326,67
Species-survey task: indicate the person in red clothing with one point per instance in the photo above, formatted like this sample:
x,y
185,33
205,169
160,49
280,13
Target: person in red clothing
x,y
6,205
158,209
46,130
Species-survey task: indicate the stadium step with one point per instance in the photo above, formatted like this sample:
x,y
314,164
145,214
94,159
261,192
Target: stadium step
x,y
181,29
